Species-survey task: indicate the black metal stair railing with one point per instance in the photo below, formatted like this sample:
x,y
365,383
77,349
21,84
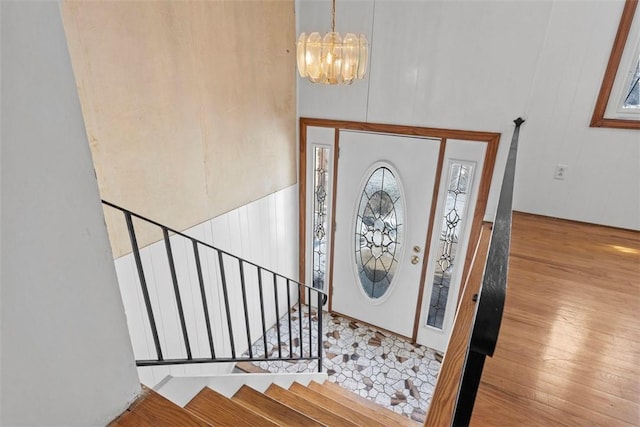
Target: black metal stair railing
x,y
314,298
490,306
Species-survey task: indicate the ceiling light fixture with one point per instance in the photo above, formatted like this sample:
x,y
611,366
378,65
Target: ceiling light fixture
x,y
332,60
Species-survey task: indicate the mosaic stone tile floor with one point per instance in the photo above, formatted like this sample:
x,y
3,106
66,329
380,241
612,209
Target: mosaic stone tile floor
x,y
374,364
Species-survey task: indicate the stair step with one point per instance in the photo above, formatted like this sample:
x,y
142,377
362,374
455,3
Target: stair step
x,y
250,368
153,410
346,412
272,409
308,408
343,395
222,411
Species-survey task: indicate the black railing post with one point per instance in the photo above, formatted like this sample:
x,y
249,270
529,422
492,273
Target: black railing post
x,y
469,388
494,282
320,299
176,290
143,284
244,305
226,304
488,316
309,304
289,318
300,315
264,323
275,291
205,307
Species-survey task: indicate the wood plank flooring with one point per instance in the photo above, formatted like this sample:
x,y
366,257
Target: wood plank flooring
x,y
569,346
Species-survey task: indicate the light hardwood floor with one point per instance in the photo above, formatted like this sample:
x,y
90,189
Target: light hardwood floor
x,y
569,346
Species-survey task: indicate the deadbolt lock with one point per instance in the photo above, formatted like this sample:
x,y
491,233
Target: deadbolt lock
x,y
416,249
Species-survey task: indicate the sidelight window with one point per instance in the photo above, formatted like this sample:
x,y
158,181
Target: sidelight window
x,y
458,187
320,225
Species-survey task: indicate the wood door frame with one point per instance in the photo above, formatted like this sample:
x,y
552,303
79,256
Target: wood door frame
x,y
491,139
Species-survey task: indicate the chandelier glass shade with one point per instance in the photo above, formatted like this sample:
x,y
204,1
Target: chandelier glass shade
x,y
332,59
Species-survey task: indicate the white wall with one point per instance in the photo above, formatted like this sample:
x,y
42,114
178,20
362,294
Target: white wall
x,y
263,232
478,65
603,180
66,357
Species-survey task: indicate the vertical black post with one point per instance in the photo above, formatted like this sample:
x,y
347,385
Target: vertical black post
x,y
486,327
244,304
468,388
264,323
300,296
488,317
275,292
203,294
309,305
143,284
176,290
319,332
289,318
226,304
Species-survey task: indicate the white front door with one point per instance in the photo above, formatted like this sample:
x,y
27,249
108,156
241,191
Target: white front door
x,y
383,202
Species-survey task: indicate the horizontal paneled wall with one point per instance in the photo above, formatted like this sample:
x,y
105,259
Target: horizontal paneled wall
x,y
263,232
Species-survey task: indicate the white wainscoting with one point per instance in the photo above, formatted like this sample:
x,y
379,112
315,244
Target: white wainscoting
x,y
264,232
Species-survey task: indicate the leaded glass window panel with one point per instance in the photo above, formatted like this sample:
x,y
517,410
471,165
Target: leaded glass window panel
x,y
378,233
320,215
458,186
632,98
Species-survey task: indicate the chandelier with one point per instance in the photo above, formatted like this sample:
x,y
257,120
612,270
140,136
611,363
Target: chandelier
x,y
332,60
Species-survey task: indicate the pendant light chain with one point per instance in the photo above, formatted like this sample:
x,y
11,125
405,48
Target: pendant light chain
x,y
333,16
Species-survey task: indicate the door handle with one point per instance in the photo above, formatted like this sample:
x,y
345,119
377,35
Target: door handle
x,y
415,259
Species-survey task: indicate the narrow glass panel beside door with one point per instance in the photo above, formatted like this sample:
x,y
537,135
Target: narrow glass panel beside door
x,y
320,215
458,186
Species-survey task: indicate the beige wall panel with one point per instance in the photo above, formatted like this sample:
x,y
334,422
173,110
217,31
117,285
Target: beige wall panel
x,y
189,106
249,80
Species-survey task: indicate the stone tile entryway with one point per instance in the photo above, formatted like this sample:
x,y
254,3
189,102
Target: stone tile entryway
x,y
374,364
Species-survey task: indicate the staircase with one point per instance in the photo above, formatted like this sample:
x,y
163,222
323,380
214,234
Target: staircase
x,y
315,404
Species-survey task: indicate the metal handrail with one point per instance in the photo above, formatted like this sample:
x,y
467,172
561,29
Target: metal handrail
x,y
486,325
321,298
135,215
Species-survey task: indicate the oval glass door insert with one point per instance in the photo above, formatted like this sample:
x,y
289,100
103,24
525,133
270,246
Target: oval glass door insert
x,y
378,233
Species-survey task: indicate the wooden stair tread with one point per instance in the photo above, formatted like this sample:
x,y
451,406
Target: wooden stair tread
x,y
347,412
250,368
271,408
308,408
386,415
222,411
153,410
